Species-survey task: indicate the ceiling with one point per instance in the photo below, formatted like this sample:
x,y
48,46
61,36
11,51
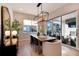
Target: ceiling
x,y
30,8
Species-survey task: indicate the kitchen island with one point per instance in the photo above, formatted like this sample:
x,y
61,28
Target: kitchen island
x,y
37,42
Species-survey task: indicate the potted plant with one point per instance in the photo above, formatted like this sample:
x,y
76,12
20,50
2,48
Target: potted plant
x,y
6,24
16,25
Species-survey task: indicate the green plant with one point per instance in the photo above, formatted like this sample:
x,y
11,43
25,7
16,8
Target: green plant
x,y
16,25
7,24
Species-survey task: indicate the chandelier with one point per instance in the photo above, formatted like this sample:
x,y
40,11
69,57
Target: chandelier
x,y
42,15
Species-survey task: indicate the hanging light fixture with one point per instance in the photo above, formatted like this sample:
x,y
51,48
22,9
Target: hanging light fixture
x,y
42,15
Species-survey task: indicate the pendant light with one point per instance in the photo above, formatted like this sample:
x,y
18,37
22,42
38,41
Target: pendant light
x,y
41,14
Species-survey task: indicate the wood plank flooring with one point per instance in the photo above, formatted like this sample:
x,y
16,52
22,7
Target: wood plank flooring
x,y
25,49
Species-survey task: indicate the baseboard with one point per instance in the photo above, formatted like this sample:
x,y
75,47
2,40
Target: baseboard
x,y
70,46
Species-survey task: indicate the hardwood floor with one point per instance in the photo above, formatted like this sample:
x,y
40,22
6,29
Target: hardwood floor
x,y
68,51
25,49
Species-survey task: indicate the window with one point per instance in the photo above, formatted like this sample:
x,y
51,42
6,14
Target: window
x,y
54,27
49,27
57,26
69,29
29,26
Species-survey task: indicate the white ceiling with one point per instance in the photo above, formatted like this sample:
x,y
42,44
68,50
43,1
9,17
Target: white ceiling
x,y
30,8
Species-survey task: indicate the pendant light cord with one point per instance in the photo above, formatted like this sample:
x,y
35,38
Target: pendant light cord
x,y
42,12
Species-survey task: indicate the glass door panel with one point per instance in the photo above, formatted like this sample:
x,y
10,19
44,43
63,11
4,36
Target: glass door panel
x,y
56,27
49,27
69,29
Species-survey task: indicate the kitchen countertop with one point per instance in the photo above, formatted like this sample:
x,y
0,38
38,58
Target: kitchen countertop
x,y
43,38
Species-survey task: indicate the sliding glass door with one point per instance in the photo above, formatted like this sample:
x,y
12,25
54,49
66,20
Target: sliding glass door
x,y
57,27
69,29
54,27
49,27
64,28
